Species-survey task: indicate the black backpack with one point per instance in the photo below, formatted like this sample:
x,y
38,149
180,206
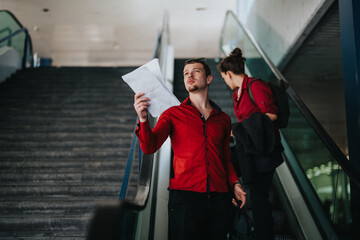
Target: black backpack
x,y
278,88
242,227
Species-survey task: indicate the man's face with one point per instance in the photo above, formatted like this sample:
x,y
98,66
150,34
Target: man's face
x,y
195,77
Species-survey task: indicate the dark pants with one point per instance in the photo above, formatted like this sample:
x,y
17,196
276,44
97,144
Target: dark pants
x,y
260,204
198,215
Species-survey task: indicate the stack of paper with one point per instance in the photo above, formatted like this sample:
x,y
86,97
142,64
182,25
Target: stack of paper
x,y
148,79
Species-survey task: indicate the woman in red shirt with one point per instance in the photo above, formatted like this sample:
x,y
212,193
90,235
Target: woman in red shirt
x,y
259,171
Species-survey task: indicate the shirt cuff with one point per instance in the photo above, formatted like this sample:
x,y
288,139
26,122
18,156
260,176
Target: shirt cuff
x,y
142,125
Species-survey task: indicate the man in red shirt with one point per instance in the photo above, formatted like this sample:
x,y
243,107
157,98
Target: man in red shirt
x,y
200,135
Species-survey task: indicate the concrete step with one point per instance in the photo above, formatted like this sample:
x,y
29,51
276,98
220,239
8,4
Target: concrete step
x,y
53,207
43,235
78,136
61,190
121,154
19,119
22,167
74,145
83,178
45,224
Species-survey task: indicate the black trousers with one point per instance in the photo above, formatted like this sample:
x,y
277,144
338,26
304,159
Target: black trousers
x,y
261,207
195,215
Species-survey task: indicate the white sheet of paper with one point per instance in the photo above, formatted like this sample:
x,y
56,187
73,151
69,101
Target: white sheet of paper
x,y
148,79
154,67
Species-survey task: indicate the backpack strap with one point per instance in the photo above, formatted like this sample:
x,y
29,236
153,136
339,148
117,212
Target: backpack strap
x,y
249,90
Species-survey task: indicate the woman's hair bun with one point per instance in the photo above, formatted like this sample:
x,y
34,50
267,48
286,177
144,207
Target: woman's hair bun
x,y
235,62
237,53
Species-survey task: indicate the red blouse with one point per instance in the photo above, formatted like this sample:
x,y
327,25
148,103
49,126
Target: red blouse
x,y
262,94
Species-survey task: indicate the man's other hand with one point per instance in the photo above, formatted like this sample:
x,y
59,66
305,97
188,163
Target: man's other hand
x,y
240,194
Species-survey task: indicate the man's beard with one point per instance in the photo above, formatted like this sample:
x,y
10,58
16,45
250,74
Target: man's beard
x,y
193,88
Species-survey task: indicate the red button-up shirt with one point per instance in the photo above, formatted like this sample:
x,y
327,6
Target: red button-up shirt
x,y
201,148
263,97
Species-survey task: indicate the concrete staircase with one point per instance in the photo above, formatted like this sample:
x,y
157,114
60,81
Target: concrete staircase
x,y
65,135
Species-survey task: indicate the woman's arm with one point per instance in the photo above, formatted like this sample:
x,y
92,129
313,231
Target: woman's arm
x,y
264,99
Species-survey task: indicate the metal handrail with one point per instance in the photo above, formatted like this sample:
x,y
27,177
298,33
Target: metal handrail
x,y
27,41
13,16
7,29
129,162
134,142
315,124
13,34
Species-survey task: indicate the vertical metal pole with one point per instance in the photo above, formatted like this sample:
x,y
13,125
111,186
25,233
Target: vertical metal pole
x,y
26,44
350,40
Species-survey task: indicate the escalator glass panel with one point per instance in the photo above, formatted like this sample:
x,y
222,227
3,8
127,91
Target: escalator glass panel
x,y
327,178
329,183
8,26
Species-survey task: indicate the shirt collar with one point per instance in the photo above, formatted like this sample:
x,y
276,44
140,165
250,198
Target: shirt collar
x,y
245,82
216,107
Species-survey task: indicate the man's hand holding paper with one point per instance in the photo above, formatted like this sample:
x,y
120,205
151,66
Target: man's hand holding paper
x,y
147,79
141,105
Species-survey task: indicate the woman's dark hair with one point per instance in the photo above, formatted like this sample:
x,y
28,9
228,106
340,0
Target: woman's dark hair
x,y
235,62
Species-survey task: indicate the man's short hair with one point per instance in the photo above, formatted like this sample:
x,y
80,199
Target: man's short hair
x,y
202,61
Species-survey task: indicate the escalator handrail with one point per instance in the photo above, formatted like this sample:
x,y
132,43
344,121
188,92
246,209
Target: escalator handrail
x,y
27,42
141,198
13,16
129,162
108,221
315,124
145,174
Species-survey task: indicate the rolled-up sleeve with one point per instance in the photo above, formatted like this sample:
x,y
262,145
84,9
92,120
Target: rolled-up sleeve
x,y
264,97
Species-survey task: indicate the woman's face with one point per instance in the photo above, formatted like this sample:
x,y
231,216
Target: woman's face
x,y
227,79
